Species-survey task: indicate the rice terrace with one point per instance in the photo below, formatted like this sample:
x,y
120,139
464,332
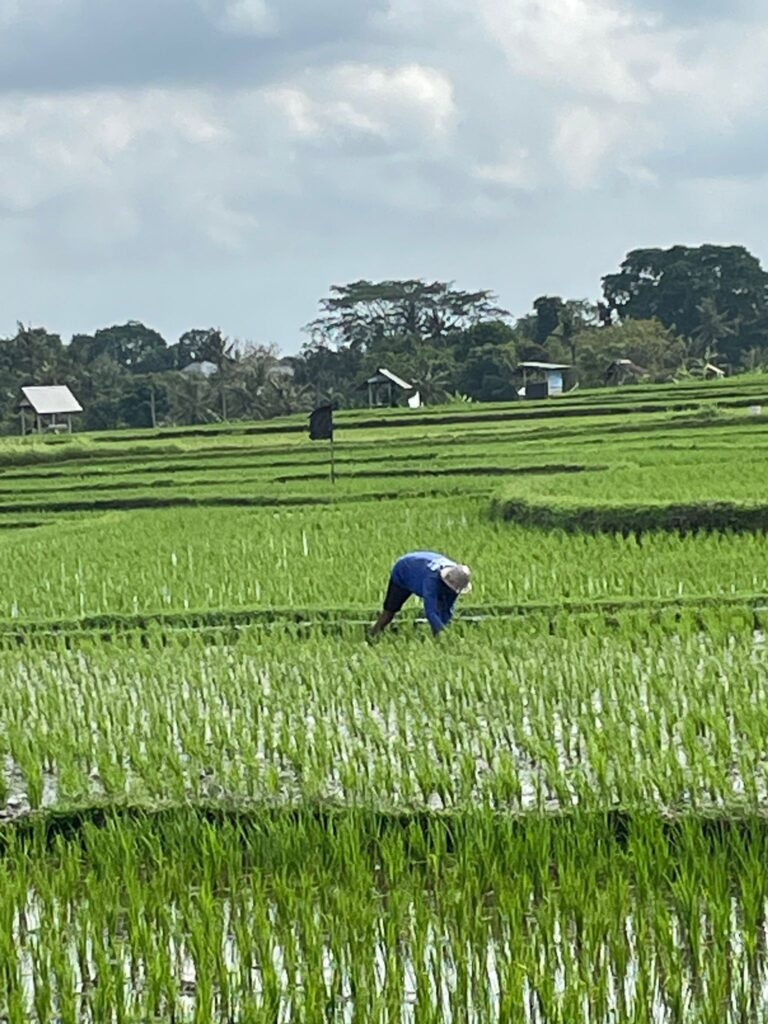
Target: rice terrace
x,y
220,804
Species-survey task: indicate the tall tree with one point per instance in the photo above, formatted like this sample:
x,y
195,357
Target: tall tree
x,y
103,385
329,371
210,345
413,327
714,327
548,310
191,398
133,346
33,353
248,374
574,317
682,285
366,315
487,374
195,346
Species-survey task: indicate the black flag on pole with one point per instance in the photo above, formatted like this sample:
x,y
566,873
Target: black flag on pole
x,y
321,423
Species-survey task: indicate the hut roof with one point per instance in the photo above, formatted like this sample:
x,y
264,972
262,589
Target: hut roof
x,y
383,376
534,365
52,400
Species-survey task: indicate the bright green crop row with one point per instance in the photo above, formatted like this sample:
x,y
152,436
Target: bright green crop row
x,y
471,457
679,477
341,556
427,831
543,418
644,717
307,920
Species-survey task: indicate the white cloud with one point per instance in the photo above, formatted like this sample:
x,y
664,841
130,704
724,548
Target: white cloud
x,y
429,16
589,46
580,143
439,125
298,108
205,162
106,151
391,105
590,144
722,76
514,170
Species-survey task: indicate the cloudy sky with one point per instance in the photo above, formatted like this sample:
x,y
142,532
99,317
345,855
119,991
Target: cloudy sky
x,y
193,163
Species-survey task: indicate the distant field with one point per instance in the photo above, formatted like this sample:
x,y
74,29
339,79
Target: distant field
x,y
219,803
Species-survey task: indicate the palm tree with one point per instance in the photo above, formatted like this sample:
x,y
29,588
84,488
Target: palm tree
x,y
434,384
285,396
575,316
755,358
713,327
190,398
697,359
224,355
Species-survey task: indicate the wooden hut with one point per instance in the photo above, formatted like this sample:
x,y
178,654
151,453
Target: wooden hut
x,y
47,409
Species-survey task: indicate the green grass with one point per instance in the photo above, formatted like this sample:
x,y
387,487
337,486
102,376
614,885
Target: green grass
x,y
219,803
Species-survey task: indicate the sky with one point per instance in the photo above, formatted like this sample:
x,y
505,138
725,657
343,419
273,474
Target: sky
x,y
197,163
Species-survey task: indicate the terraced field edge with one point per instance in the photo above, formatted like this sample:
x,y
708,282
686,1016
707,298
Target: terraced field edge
x,y
633,518
444,827
747,611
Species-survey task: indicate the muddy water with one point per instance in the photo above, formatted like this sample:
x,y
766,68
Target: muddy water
x,y
434,974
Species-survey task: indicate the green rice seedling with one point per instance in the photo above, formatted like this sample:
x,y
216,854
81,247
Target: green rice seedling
x,y
556,814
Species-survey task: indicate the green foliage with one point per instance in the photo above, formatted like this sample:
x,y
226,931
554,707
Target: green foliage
x,y
678,310
364,315
315,915
548,310
655,352
131,346
714,294
219,803
488,374
425,332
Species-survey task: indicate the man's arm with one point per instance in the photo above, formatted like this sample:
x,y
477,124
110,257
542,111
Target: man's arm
x,y
438,615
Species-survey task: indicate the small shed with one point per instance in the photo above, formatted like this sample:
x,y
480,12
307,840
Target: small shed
x,y
622,370
388,383
543,380
711,370
50,409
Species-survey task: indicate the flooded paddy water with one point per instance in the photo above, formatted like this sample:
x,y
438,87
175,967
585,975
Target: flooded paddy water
x,y
666,718
461,919
349,835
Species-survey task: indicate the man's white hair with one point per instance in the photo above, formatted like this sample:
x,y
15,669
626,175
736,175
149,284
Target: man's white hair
x,y
457,577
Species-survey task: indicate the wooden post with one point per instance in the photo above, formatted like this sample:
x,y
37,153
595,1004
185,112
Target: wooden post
x,y
333,463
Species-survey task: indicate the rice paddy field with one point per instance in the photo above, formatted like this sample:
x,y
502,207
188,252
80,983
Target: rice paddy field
x,y
219,803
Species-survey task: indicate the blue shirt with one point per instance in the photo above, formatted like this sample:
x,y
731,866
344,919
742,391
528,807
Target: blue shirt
x,y
419,572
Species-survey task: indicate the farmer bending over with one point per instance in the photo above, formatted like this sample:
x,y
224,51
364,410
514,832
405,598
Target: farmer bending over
x,y
435,578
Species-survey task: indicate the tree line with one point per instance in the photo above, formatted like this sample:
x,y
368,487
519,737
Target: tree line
x,y
666,314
